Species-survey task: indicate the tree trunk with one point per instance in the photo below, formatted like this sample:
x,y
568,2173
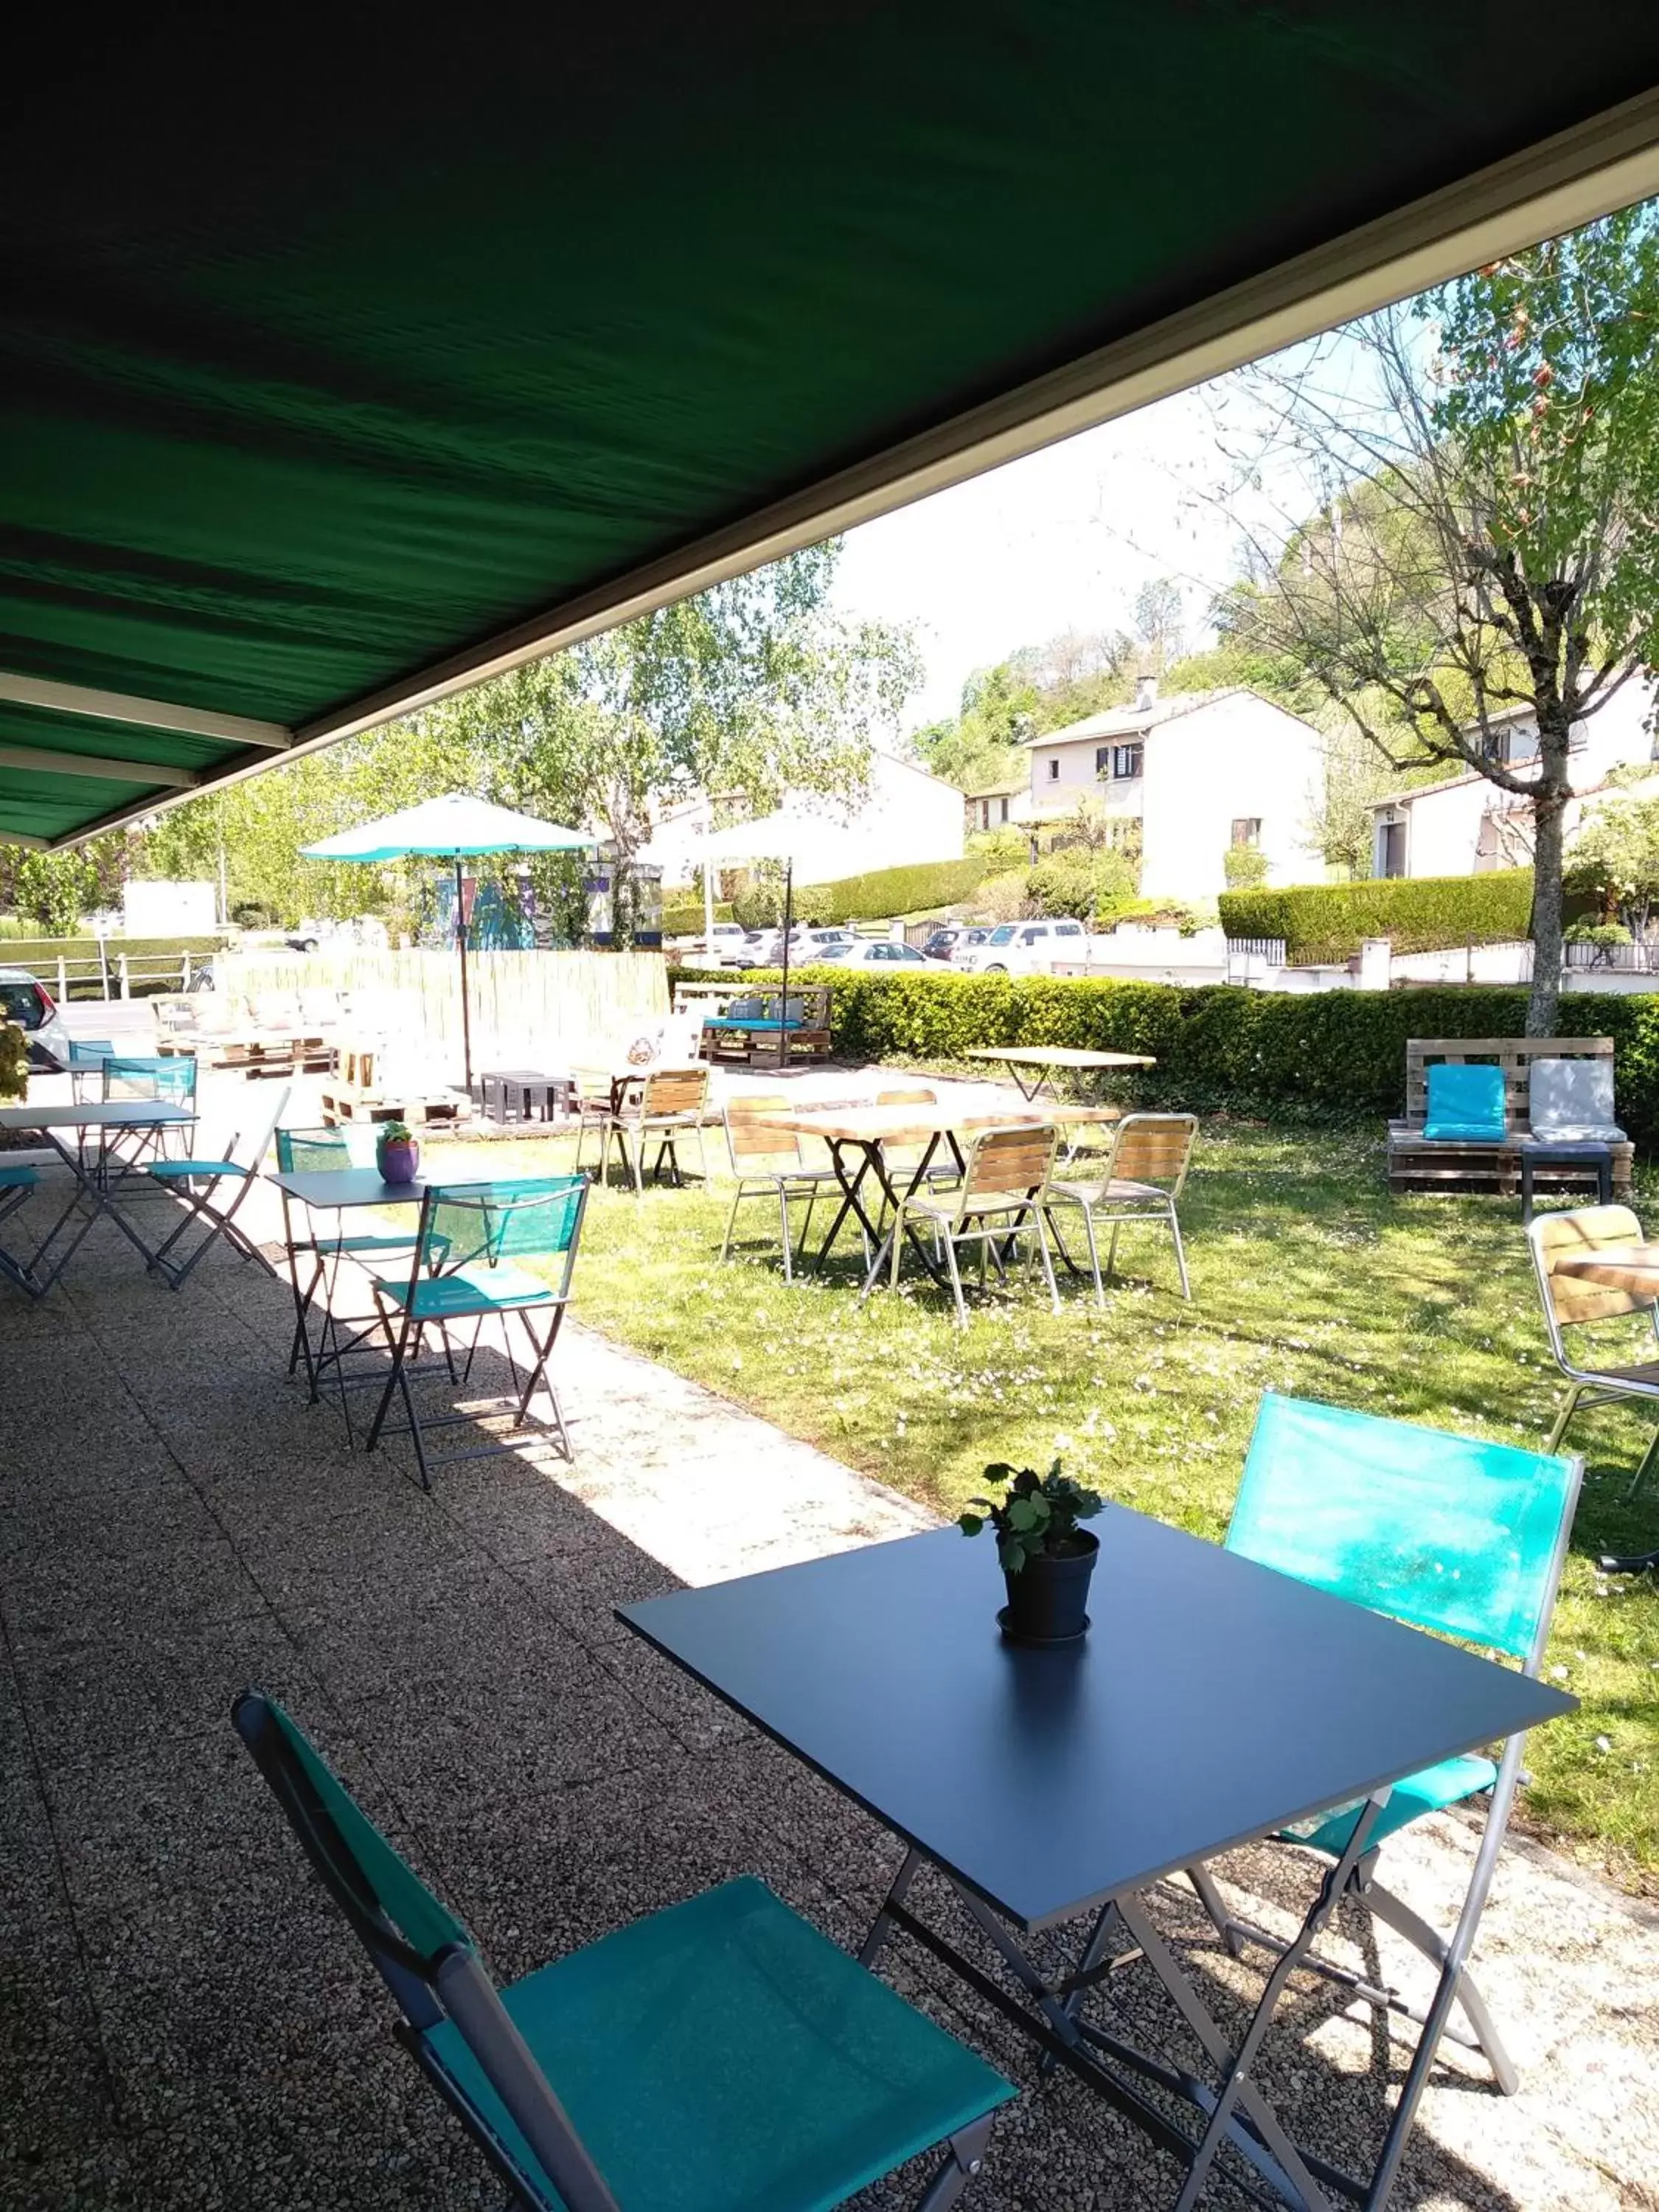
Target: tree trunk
x,y
1549,809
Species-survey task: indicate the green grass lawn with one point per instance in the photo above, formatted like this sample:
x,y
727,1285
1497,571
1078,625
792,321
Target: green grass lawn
x,y
1307,1278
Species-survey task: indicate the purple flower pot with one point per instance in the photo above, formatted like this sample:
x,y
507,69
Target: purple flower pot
x,y
399,1160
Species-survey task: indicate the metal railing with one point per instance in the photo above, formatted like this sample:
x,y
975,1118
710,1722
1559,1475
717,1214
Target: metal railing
x,y
1626,959
1268,950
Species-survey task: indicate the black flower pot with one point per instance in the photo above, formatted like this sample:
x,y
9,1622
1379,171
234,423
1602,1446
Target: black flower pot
x,y
1048,1598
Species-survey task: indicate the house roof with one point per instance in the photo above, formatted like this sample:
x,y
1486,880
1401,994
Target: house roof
x,y
1134,721
1006,789
330,388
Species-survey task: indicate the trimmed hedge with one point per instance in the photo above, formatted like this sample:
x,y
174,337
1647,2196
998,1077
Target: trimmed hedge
x,y
876,896
1321,922
684,917
1327,1055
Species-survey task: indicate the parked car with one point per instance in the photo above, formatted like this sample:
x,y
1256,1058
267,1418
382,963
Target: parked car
x,y
1024,948
732,945
874,952
946,944
27,1002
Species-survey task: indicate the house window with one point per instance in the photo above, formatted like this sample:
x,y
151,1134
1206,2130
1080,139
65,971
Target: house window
x,y
1246,831
1102,760
1003,817
1126,761
1053,769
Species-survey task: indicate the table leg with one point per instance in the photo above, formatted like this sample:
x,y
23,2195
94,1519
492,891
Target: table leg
x,y
885,1245
849,1199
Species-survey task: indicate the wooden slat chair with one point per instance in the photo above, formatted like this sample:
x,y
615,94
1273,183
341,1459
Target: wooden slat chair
x,y
1003,1196
770,1163
1569,1303
902,1155
668,1103
1142,1179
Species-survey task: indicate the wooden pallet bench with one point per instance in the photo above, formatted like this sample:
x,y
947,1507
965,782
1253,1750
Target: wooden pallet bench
x,y
435,1109
728,1038
1417,1163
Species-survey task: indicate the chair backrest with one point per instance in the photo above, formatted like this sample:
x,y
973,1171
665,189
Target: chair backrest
x,y
485,1223
1447,1531
673,1091
423,1953
87,1052
1515,1056
1008,1163
169,1082
1567,1299
1572,1094
254,1152
748,1146
326,1152
1153,1148
903,1143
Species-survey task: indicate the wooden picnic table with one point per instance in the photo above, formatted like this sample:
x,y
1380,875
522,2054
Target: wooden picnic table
x,y
1049,1060
856,1137
1631,1267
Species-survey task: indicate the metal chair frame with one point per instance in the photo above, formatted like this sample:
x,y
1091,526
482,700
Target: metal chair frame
x,y
404,1329
181,1178
782,1184
987,1211
453,1985
1142,1199
1588,1387
629,1114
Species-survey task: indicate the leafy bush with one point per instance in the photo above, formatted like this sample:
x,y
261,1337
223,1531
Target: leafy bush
x,y
1000,899
1599,933
1081,884
1243,867
253,914
14,1061
1329,922
684,917
888,891
759,908
1328,1055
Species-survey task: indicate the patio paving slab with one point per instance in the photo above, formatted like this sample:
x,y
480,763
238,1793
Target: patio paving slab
x,y
185,2023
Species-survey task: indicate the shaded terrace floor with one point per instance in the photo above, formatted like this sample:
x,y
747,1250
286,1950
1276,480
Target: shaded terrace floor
x,y
183,2021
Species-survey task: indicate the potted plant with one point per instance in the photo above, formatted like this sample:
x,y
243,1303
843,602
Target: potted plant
x,y
396,1155
1046,1557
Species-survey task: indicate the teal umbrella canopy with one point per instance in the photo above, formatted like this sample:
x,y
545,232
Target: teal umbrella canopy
x,y
448,829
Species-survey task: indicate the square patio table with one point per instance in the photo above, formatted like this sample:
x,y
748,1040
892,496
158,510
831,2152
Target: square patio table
x,y
92,1195
1213,1703
341,1190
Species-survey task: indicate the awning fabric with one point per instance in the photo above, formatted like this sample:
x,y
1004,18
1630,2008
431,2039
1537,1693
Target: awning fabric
x,y
338,365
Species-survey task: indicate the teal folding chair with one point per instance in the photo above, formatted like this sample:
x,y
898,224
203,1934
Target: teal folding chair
x,y
17,1186
87,1056
463,1268
721,2056
1448,1533
169,1082
198,1184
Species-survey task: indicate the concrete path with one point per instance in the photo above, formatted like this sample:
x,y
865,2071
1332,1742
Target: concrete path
x,y
185,2023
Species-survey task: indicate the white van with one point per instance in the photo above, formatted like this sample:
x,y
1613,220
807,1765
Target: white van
x,y
1024,948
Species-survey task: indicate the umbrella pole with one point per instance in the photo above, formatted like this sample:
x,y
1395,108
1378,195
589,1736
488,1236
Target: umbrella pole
x,y
467,1011
788,924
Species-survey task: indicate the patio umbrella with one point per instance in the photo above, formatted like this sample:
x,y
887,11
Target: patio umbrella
x,y
456,827
780,836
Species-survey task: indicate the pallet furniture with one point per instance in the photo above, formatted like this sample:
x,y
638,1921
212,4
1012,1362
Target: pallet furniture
x,y
741,1021
1417,1163
430,1109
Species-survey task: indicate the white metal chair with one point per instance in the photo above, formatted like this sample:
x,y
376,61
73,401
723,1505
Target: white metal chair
x,y
1569,1302
1002,1197
184,1177
770,1163
1142,1179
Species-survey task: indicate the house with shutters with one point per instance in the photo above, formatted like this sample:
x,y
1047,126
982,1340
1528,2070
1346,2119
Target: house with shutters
x,y
1192,774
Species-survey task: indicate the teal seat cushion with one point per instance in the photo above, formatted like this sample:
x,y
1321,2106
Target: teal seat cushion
x,y
724,2056
1431,1791
757,1022
177,1170
466,1291
18,1178
1465,1104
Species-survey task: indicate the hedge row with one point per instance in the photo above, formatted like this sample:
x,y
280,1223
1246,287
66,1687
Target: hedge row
x,y
1328,1055
873,897
1426,913
684,917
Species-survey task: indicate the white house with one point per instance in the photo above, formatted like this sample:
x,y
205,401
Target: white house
x,y
995,806
1465,824
1200,772
903,816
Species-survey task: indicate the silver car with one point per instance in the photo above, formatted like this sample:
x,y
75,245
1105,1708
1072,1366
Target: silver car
x,y
26,1002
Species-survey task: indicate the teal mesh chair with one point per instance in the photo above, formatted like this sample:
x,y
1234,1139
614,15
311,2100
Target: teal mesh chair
x,y
198,1184
169,1082
331,1152
17,1186
87,1056
719,2056
1450,1534
466,1268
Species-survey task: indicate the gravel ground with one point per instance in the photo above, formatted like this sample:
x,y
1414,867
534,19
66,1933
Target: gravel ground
x,y
184,2022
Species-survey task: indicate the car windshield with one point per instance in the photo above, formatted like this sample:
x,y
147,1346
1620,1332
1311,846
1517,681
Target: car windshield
x,y
20,1003
1003,936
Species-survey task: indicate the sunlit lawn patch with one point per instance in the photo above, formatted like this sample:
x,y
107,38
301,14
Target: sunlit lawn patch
x,y
1307,1277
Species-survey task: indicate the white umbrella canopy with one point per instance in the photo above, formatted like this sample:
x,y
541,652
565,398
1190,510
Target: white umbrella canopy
x,y
454,827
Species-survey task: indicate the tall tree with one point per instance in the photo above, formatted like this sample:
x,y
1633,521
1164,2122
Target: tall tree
x,y
1481,468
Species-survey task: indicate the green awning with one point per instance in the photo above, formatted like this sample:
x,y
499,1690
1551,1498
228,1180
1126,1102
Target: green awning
x,y
336,369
